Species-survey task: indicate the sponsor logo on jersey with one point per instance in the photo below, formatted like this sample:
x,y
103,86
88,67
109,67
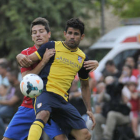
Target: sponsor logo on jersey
x,y
79,59
68,62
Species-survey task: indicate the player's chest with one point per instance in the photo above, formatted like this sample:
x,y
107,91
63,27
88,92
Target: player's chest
x,y
68,59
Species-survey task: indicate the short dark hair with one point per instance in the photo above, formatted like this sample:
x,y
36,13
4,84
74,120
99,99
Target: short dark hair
x,y
40,21
75,23
110,62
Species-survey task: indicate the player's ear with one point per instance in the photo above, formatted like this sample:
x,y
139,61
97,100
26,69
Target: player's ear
x,y
65,33
49,33
82,36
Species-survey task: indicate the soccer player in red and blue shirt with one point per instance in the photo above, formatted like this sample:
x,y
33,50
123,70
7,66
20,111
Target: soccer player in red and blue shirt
x,y
20,124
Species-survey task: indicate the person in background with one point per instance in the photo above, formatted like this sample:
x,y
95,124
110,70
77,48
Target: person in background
x,y
3,74
138,77
100,97
134,101
13,99
3,91
131,62
111,70
126,75
75,98
114,112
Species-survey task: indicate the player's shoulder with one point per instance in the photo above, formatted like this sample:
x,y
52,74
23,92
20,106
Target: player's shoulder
x,y
29,50
50,44
81,53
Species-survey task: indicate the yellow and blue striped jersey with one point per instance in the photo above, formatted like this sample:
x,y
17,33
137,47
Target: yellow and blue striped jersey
x,y
61,69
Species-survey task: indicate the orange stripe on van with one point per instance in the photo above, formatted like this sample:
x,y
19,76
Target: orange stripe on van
x,y
130,39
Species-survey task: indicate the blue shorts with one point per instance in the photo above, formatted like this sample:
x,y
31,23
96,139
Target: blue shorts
x,y
62,112
19,126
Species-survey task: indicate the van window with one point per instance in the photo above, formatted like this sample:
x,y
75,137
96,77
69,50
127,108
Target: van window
x,y
97,54
121,57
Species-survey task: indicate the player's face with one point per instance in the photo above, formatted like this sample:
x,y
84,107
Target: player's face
x,y
73,37
40,35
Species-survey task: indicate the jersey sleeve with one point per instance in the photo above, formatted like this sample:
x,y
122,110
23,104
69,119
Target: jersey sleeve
x,y
83,73
40,52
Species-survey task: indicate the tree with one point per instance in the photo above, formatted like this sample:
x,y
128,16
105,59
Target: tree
x,y
16,16
126,8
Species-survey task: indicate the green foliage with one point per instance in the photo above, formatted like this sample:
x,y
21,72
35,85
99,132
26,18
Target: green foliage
x,y
126,8
16,16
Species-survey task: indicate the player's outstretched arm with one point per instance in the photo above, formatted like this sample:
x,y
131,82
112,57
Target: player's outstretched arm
x,y
86,95
91,65
23,60
36,56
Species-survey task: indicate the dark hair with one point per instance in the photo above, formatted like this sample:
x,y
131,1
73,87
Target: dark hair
x,y
131,83
40,21
75,23
110,62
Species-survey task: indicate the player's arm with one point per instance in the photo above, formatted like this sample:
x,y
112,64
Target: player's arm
x,y
10,102
86,95
38,55
47,55
23,60
91,65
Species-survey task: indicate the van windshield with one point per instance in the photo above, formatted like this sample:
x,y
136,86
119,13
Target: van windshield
x,y
97,54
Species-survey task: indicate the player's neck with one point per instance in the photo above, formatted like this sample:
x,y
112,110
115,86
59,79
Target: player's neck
x,y
37,46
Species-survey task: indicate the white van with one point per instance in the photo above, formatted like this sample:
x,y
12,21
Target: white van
x,y
116,45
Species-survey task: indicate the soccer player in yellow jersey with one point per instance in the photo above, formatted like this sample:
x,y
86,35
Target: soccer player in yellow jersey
x,y
58,75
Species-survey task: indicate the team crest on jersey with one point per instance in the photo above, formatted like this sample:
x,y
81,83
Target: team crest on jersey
x,y
79,59
39,105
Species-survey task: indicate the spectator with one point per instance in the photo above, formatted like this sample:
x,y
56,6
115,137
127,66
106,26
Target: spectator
x,y
111,70
75,98
3,72
126,75
115,112
131,62
138,77
100,97
134,100
3,91
13,99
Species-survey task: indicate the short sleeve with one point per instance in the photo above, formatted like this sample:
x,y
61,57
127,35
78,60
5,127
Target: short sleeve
x,y
83,73
40,52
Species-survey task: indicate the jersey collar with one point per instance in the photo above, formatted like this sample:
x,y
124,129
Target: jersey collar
x,y
72,50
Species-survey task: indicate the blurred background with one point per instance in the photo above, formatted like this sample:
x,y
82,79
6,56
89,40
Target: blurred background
x,y
112,36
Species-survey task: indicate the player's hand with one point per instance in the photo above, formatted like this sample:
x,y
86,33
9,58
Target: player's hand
x,y
47,55
91,116
91,65
24,60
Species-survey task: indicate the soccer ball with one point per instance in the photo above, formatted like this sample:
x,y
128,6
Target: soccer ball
x,y
31,85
